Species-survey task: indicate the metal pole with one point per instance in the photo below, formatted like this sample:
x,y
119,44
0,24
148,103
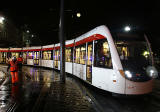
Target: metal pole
x,y
62,43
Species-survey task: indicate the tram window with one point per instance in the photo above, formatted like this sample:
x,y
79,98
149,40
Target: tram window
x,y
102,54
132,49
68,54
123,52
77,54
36,55
47,55
56,57
30,55
15,54
3,57
83,54
89,56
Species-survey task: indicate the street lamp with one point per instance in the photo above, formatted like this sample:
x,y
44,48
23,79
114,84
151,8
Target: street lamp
x,y
1,19
78,15
27,31
32,35
127,28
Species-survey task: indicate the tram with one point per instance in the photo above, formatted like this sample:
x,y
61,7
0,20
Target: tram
x,y
115,65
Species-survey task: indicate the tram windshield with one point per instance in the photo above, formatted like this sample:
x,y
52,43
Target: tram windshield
x,y
135,58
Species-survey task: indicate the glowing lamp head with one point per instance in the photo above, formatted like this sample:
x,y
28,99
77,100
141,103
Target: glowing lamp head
x,y
78,15
127,28
152,72
2,19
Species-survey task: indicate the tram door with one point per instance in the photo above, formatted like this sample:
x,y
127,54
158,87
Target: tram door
x,y
25,57
89,63
36,57
56,58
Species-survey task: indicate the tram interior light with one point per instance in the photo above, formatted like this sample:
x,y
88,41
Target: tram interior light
x,y
128,74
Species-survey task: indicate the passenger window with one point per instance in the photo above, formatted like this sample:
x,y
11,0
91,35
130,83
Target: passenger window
x,y
77,55
15,54
56,55
80,54
48,55
83,54
68,54
30,55
89,56
102,56
123,52
36,55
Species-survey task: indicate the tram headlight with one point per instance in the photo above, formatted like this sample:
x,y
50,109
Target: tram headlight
x,y
128,74
152,72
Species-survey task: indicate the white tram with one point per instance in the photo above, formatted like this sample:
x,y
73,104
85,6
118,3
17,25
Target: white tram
x,y
117,66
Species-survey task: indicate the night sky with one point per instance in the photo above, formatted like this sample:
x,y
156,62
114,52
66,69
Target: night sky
x,y
43,20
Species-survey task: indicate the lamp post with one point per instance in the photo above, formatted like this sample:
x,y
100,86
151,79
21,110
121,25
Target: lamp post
x,y
62,43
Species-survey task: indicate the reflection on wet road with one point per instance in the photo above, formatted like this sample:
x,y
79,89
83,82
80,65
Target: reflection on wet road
x,y
39,90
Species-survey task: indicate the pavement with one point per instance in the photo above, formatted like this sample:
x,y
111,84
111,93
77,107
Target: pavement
x,y
40,90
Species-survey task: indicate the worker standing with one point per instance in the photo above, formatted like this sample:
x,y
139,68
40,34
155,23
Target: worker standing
x,y
13,65
20,62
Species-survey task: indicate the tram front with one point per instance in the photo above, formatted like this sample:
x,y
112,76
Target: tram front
x,y
137,61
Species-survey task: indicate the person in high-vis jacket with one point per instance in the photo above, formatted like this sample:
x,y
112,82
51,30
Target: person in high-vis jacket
x,y
20,62
13,66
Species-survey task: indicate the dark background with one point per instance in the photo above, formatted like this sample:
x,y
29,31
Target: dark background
x,y
42,18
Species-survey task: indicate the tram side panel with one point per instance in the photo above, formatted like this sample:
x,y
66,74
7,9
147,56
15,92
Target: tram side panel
x,y
68,67
138,87
47,63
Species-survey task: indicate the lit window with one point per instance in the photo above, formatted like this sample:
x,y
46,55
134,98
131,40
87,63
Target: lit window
x,y
30,55
89,57
83,55
68,55
15,54
56,58
102,54
47,55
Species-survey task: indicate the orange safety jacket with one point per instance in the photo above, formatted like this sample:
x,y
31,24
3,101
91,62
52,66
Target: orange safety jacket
x,y
20,59
14,66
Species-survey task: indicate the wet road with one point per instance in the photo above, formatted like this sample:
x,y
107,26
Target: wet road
x,y
39,90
